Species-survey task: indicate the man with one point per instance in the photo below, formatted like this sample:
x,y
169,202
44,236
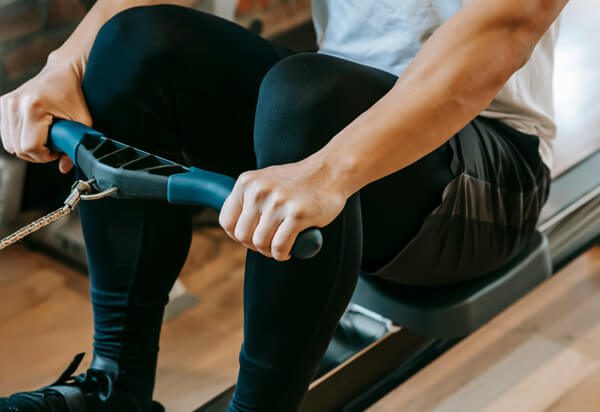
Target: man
x,y
419,139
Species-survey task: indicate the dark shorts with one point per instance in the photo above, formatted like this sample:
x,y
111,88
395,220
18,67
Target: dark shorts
x,y
488,211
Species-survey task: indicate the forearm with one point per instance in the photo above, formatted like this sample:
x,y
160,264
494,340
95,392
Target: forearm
x,y
76,48
453,78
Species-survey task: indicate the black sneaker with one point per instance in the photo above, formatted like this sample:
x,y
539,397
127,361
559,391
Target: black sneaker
x,y
89,392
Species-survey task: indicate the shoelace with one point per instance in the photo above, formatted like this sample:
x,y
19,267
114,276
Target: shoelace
x,y
94,381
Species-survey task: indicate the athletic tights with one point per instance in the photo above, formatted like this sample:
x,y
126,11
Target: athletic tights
x,y
200,90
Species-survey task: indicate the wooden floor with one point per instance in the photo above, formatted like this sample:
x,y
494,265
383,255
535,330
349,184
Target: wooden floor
x,y
45,317
542,354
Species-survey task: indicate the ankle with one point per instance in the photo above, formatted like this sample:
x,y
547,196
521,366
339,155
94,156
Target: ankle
x,y
127,378
102,374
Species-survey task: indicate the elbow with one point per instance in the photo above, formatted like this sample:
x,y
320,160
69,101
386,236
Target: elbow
x,y
519,40
519,53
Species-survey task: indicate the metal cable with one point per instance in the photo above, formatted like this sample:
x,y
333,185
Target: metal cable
x,y
79,191
35,226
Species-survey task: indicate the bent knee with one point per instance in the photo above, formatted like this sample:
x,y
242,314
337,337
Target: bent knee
x,y
299,99
126,55
301,81
134,33
301,86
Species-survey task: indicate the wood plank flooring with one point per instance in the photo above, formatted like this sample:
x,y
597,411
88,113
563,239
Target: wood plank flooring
x,y
541,354
45,317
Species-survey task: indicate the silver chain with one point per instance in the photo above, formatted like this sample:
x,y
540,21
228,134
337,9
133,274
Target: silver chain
x,y
79,191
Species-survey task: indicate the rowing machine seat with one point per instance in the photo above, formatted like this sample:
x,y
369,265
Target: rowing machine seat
x,y
454,311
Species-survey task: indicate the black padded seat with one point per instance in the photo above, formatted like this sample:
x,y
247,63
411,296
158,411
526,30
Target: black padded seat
x,y
454,311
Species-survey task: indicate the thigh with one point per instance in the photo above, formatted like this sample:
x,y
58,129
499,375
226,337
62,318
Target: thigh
x,y
180,83
484,215
394,208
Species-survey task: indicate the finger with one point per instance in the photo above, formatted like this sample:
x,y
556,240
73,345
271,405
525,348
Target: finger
x,y
12,124
264,232
246,224
16,132
16,129
34,136
230,212
17,126
284,238
4,121
65,164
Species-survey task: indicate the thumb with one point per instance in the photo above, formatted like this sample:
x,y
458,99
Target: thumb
x,y
77,112
82,114
65,164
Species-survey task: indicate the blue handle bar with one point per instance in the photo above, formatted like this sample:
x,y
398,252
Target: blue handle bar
x,y
65,137
184,186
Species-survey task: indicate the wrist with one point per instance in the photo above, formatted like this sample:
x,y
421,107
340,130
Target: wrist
x,y
340,172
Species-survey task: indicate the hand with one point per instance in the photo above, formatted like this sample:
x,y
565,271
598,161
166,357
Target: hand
x,y
268,208
27,112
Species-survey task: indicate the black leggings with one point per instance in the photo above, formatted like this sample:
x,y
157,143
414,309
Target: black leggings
x,y
203,91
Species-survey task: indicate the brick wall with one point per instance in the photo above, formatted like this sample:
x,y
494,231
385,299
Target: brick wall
x,y
276,15
30,29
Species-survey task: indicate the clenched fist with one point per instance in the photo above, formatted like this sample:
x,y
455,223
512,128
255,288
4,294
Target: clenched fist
x,y
27,112
268,208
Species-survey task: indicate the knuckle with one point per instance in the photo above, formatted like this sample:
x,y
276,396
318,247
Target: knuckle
x,y
35,104
297,215
31,104
245,178
260,242
278,201
228,229
278,249
242,235
259,193
225,223
280,257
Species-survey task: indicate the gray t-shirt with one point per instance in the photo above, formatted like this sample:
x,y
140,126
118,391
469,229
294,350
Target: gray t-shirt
x,y
387,34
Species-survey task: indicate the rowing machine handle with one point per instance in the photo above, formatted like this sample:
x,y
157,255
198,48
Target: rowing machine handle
x,y
195,187
65,136
199,186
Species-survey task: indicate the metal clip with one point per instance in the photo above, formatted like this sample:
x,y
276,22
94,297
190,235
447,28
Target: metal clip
x,y
79,191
